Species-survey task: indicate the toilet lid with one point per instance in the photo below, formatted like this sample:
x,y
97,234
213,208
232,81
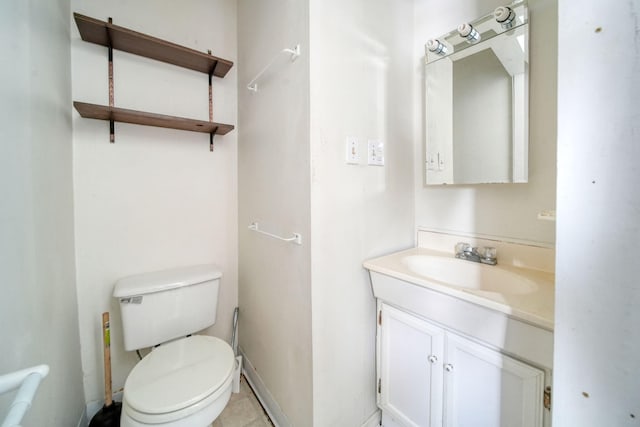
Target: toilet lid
x,y
179,374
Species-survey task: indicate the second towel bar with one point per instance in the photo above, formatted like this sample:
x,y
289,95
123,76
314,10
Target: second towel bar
x,y
297,238
295,53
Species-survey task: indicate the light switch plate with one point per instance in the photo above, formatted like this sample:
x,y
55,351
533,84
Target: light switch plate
x,y
352,151
440,161
431,163
375,152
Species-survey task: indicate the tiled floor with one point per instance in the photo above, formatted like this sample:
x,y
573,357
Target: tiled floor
x,y
243,410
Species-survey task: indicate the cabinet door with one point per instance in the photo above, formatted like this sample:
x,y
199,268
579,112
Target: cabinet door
x,y
410,369
485,388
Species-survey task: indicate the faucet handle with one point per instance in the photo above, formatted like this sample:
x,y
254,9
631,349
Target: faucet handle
x,y
489,252
488,255
462,247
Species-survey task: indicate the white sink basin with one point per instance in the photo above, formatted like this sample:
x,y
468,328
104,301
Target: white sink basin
x,y
419,278
469,275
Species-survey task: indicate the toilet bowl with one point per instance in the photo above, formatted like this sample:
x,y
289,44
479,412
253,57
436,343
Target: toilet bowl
x,y
186,382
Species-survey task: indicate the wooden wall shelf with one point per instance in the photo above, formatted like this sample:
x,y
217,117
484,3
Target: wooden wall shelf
x,y
120,38
116,37
104,112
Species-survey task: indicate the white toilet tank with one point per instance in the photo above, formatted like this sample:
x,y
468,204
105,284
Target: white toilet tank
x,y
160,306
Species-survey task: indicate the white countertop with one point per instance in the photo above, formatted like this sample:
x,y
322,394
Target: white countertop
x,y
535,307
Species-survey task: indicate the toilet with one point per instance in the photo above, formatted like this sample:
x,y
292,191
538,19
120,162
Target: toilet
x,y
186,380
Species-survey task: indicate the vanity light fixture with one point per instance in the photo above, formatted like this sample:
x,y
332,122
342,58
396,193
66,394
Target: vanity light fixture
x,y
504,16
468,32
436,46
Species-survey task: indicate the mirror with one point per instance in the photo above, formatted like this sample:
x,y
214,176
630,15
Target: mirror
x,y
477,86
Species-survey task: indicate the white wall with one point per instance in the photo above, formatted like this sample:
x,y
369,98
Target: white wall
x,y
157,198
597,340
505,210
273,180
293,177
38,310
361,86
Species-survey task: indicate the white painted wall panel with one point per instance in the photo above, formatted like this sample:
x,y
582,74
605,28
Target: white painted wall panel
x,y
157,198
597,341
361,85
38,307
273,176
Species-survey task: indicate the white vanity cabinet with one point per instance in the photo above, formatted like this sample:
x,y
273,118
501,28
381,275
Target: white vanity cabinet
x,y
410,354
429,375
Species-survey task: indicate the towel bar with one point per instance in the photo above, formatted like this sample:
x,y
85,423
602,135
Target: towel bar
x,y
297,238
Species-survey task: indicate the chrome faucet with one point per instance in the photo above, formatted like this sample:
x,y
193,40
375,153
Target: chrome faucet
x,y
482,254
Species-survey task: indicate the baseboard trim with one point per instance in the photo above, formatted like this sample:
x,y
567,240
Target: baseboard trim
x,y
266,399
83,421
91,409
375,420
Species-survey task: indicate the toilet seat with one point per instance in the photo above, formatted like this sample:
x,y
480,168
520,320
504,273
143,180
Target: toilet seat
x,y
178,379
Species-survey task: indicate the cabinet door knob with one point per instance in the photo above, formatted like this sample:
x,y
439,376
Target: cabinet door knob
x,y
433,359
448,367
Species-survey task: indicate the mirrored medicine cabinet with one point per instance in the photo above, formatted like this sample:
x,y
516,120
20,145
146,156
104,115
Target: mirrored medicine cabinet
x,y
477,87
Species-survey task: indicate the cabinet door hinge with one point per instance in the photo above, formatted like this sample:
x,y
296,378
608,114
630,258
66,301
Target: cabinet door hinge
x,y
547,398
379,385
380,317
